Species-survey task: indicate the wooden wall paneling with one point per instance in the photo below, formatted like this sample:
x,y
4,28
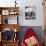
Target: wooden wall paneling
x,y
44,6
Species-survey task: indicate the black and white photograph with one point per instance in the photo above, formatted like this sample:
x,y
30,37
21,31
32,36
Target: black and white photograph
x,y
30,12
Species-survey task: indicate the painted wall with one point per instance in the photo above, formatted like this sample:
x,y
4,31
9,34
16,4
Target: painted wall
x,y
22,21
39,13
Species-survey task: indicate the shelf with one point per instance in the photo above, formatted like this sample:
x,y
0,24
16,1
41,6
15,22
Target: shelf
x,y
11,41
7,16
5,8
7,12
10,26
11,15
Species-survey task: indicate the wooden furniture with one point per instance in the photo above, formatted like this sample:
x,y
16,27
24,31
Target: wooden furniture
x,y
44,36
0,43
6,12
10,43
6,24
44,9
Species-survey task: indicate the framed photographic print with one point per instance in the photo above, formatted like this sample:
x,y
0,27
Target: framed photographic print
x,y
30,12
5,12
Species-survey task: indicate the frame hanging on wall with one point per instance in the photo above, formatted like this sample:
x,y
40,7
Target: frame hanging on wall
x,y
30,12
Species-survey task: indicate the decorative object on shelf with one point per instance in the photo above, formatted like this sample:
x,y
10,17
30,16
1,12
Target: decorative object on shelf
x,y
15,37
5,12
15,3
15,30
30,12
15,34
7,34
13,12
6,21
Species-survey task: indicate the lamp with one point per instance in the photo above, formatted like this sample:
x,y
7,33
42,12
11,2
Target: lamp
x,y
15,30
15,37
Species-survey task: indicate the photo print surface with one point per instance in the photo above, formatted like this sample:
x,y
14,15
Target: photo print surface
x,y
30,12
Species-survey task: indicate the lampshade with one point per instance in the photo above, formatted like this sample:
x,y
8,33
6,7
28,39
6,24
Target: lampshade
x,y
15,30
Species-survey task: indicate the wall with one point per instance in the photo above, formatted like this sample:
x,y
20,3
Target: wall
x,y
22,21
39,13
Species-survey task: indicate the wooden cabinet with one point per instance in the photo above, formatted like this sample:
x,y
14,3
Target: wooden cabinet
x,y
9,43
7,13
9,23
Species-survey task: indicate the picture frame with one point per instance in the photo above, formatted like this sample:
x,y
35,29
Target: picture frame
x,y
30,12
5,12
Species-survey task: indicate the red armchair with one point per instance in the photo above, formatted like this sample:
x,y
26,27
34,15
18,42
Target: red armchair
x,y
28,35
